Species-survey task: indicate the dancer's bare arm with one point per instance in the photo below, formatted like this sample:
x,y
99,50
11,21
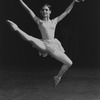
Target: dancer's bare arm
x,y
35,18
67,11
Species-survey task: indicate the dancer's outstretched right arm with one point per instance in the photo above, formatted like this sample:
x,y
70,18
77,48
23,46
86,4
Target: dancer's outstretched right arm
x,y
35,18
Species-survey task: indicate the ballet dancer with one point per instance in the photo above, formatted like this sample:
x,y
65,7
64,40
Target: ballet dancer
x,y
48,45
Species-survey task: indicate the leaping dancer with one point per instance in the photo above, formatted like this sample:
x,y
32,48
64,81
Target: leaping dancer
x,y
48,45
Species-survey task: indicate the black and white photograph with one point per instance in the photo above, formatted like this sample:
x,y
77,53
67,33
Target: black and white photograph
x,y
49,50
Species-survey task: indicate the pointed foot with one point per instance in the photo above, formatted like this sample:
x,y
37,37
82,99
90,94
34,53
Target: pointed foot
x,y
13,25
56,80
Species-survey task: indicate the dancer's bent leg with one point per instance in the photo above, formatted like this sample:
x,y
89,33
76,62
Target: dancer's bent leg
x,y
35,42
62,57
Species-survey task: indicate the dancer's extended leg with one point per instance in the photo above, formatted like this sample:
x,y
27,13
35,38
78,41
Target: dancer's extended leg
x,y
36,42
62,57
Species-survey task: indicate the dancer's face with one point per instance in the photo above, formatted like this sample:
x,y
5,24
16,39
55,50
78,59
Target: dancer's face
x,y
45,11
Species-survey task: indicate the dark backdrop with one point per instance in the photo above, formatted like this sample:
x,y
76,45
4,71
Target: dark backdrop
x,y
78,33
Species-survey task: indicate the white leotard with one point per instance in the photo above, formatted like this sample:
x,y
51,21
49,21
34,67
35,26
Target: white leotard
x,y
47,29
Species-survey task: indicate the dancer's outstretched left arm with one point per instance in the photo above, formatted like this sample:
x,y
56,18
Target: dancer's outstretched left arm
x,y
67,11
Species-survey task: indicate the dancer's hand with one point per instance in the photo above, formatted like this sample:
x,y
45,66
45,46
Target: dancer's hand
x,y
13,25
79,0
20,0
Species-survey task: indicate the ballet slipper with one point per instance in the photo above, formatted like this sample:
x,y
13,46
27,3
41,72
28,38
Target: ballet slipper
x,y
56,80
13,25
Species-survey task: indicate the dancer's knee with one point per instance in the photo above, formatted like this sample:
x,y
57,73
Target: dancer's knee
x,y
68,63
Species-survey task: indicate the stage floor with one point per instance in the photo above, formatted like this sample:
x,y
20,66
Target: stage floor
x,y
77,84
